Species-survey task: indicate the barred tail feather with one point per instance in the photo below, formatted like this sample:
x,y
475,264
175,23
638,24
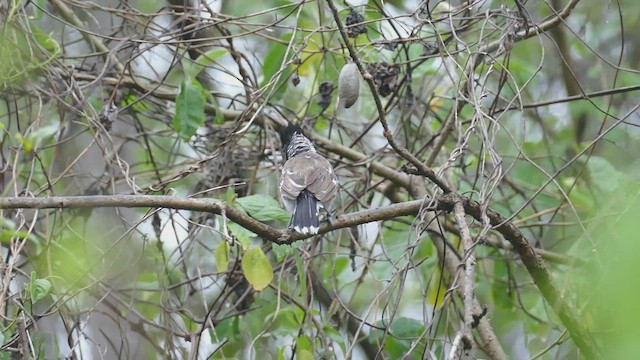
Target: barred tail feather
x,y
306,214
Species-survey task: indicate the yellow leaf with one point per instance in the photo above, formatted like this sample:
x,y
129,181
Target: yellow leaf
x,y
436,290
257,268
222,256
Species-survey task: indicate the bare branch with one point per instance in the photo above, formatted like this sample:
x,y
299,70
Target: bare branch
x,y
536,267
469,266
211,206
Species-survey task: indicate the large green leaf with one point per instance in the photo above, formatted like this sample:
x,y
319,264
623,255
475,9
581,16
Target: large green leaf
x,y
304,350
189,109
257,268
274,59
281,251
38,288
403,331
263,208
604,174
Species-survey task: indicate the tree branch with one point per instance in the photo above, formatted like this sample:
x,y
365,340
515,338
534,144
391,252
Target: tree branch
x,y
211,206
469,268
534,264
536,267
489,341
398,148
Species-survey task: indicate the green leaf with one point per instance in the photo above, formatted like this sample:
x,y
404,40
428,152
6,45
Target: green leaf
x,y
8,231
274,59
581,196
304,351
502,297
1,339
336,267
41,4
231,196
46,41
147,285
228,328
604,174
37,136
281,251
257,268
204,61
189,324
243,235
26,144
263,208
38,288
189,109
403,331
222,256
285,321
334,335
407,328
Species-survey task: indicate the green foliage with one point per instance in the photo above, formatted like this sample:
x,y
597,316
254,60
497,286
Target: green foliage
x,y
274,59
147,285
38,288
227,329
304,350
70,260
402,332
8,232
172,277
604,175
610,285
263,208
23,52
243,235
189,113
281,251
222,256
37,136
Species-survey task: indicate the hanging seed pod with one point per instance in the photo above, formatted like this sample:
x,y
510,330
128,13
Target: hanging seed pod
x,y
348,85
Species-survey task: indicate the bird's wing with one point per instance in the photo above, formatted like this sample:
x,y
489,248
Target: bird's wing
x,y
323,182
292,182
308,171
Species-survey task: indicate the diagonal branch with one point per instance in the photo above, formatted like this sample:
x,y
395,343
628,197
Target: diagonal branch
x,y
397,147
469,269
536,267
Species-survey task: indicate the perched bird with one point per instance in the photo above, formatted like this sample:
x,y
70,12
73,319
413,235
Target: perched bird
x,y
308,184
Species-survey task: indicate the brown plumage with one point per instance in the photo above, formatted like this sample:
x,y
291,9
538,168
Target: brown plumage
x,y
308,185
308,171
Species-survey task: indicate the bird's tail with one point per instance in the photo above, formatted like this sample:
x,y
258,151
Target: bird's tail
x,y
306,216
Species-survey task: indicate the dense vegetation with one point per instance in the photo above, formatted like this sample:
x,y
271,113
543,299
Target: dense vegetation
x,y
486,154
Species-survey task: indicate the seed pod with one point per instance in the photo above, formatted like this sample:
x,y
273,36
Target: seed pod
x,y
348,85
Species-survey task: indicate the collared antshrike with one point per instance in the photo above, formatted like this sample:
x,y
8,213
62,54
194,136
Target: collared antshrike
x,y
308,185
